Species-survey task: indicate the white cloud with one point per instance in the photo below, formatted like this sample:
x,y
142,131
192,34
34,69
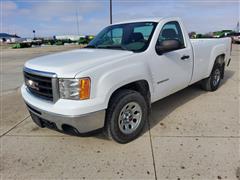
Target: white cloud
x,y
48,10
71,19
59,17
201,16
9,5
8,8
48,17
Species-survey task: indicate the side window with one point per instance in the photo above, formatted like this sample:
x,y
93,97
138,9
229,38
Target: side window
x,y
171,30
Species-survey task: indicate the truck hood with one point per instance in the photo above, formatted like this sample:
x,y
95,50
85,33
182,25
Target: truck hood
x,y
68,64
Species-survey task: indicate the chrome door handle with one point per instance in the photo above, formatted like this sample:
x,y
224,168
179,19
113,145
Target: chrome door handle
x,y
185,57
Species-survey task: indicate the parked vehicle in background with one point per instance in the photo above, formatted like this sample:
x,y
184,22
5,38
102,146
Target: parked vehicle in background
x,y
223,33
235,38
112,83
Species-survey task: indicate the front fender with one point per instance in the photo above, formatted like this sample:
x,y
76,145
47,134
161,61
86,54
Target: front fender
x,y
117,77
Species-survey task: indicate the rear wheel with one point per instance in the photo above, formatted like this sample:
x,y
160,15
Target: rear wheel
x,y
126,116
212,82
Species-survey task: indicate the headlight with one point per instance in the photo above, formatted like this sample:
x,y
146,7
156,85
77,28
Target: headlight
x,y
76,89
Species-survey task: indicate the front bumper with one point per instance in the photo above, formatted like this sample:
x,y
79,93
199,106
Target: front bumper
x,y
82,116
76,124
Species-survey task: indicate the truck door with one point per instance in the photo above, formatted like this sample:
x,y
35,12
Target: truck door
x,y
172,71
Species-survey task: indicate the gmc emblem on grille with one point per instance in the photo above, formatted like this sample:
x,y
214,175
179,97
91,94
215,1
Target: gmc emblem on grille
x,y
32,84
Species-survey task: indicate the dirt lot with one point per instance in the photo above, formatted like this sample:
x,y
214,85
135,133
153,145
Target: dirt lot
x,y
193,134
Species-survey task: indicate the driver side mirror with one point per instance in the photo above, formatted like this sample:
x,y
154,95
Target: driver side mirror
x,y
167,46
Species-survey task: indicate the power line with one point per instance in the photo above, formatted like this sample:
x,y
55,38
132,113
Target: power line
x,y
77,22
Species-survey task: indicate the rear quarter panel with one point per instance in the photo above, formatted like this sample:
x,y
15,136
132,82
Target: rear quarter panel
x,y
205,53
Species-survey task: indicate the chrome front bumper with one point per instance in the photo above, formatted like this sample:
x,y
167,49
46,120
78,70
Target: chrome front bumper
x,y
83,123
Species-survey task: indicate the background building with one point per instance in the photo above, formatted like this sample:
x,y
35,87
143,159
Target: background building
x,y
71,37
9,38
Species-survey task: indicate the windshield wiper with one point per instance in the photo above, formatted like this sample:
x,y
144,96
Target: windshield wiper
x,y
121,47
91,46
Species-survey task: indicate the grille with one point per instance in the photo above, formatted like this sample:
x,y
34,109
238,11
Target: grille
x,y
40,86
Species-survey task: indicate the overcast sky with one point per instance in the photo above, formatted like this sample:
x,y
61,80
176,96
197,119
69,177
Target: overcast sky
x,y
58,17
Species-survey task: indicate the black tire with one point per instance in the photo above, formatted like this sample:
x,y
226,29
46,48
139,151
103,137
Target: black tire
x,y
210,83
116,105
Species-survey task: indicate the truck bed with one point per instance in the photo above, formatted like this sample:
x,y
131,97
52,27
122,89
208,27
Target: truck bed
x,y
205,48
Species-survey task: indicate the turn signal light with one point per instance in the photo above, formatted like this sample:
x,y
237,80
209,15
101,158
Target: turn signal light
x,y
84,90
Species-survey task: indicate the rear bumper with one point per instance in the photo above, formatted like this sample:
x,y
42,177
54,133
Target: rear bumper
x,y
83,123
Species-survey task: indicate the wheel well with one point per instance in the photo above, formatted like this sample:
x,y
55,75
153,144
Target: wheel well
x,y
220,59
140,86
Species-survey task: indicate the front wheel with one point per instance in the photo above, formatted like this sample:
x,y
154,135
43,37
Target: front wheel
x,y
212,82
126,116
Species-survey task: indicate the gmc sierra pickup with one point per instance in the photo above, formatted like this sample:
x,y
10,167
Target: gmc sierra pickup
x,y
111,83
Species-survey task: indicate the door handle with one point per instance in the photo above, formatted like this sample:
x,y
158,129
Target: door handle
x,y
185,57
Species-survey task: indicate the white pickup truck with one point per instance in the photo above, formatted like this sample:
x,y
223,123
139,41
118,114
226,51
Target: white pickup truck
x,y
111,83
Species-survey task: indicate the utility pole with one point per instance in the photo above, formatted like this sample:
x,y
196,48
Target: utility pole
x,y
238,27
110,11
34,37
77,22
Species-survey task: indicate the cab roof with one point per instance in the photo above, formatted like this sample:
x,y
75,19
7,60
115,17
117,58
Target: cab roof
x,y
140,20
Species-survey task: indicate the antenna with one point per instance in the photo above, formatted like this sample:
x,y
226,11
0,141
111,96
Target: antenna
x,y
77,22
238,27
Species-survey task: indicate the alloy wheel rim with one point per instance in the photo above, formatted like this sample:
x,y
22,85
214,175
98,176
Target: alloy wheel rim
x,y
216,77
130,117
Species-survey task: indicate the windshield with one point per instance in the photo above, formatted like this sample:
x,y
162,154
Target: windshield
x,y
131,36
